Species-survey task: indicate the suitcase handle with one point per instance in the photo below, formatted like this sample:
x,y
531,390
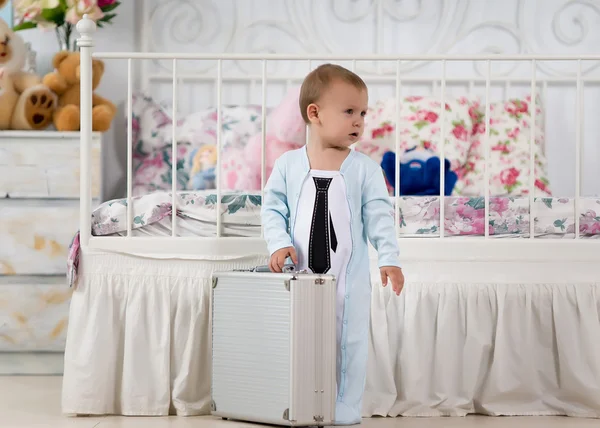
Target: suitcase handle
x,y
288,268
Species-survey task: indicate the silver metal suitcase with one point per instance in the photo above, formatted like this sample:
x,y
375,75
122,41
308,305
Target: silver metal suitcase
x,y
274,347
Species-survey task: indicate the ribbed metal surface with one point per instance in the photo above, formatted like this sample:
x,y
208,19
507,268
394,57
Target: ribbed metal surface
x,y
251,347
313,349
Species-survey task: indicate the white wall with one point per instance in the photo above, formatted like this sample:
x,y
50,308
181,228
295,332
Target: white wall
x,y
355,26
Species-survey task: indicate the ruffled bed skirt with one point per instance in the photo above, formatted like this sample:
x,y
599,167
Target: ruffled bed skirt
x,y
497,339
497,342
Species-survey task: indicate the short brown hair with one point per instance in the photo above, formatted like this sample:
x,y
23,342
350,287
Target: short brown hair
x,y
319,79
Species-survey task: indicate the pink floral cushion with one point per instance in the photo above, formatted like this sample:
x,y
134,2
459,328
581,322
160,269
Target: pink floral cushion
x,y
419,127
152,135
286,131
152,147
510,133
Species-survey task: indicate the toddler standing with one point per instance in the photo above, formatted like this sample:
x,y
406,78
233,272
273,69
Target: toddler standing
x,y
322,205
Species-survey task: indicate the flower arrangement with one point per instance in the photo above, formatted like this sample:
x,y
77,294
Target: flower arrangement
x,y
62,16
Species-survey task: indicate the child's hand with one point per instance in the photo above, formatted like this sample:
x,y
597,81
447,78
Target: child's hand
x,y
278,259
396,277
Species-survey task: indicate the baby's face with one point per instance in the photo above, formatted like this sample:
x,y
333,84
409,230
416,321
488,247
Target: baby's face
x,y
342,110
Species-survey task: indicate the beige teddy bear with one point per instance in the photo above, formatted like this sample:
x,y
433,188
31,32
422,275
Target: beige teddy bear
x,y
65,81
25,103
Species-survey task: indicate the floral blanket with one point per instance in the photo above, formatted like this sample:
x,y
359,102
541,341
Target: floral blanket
x,y
509,216
419,216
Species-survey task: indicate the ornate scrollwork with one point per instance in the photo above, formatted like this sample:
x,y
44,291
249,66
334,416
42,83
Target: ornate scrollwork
x,y
372,26
580,22
191,26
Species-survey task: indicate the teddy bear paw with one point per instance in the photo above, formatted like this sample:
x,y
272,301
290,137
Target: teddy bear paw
x,y
102,116
39,107
67,118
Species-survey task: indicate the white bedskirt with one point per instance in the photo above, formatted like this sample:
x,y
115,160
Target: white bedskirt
x,y
497,339
489,338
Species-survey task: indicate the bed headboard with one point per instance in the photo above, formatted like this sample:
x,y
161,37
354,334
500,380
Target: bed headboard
x,y
386,27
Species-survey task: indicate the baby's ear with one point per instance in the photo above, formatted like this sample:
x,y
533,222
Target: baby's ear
x,y
312,111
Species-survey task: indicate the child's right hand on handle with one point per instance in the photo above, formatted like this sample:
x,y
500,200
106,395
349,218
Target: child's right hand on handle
x,y
278,259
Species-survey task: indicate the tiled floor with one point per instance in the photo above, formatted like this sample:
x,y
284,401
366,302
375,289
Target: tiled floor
x,y
35,402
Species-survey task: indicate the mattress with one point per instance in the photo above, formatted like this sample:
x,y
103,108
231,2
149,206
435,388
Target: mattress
x,y
419,216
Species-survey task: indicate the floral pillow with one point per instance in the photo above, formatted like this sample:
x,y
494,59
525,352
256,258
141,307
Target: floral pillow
x,y
152,147
148,117
510,133
199,130
419,127
152,136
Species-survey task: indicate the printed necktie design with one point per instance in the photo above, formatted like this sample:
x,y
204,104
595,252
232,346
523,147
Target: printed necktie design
x,y
319,260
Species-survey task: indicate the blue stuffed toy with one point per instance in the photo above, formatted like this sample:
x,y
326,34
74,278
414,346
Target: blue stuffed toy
x,y
419,173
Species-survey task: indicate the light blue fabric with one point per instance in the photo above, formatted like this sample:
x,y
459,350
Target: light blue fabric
x,y
372,221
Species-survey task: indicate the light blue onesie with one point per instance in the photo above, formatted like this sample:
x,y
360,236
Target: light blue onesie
x,y
372,220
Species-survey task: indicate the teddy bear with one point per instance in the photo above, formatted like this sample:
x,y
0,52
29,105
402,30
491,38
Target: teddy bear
x,y
65,82
25,103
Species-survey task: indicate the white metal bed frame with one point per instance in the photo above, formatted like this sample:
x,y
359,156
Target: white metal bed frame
x,y
418,249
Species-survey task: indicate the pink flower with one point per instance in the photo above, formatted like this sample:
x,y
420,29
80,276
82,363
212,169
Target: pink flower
x,y
541,185
460,132
156,162
516,107
461,172
499,205
385,128
472,220
149,169
78,8
104,3
508,177
413,99
473,113
514,133
502,148
431,117
479,128
427,116
522,107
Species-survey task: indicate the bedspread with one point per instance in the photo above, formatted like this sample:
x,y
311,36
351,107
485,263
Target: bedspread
x,y
419,216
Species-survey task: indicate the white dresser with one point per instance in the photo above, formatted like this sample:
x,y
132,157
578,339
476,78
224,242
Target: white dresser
x,y
39,215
